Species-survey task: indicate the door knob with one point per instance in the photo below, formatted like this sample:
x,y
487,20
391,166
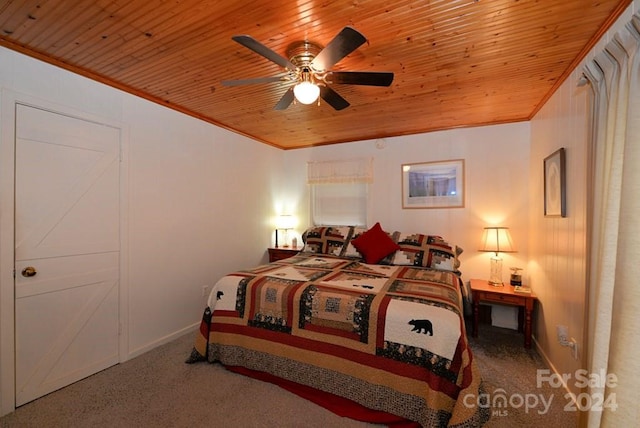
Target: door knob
x,y
29,271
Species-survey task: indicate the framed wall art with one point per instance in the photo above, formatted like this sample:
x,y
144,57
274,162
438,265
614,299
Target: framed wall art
x,y
555,197
433,184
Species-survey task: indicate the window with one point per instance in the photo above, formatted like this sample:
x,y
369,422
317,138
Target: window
x,y
340,191
339,204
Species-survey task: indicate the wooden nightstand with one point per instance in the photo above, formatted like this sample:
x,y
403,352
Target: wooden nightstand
x,y
279,253
483,292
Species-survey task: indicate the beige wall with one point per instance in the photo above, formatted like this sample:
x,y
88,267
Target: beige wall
x,y
496,168
557,246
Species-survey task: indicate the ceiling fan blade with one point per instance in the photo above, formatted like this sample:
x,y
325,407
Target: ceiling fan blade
x,y
333,98
286,100
259,48
347,41
253,81
371,78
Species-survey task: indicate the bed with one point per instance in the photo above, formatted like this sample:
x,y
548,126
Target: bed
x,y
367,323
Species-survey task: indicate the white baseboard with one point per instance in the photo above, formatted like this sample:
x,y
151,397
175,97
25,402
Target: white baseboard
x,y
553,369
168,338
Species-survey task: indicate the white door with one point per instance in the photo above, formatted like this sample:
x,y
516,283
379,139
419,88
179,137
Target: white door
x,y
67,230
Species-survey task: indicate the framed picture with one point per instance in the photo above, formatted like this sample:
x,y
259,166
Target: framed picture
x,y
555,199
433,184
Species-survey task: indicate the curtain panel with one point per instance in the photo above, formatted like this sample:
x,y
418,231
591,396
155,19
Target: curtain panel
x,y
614,232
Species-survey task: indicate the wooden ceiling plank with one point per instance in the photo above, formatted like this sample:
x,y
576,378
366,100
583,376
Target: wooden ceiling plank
x,y
17,17
168,36
116,26
50,37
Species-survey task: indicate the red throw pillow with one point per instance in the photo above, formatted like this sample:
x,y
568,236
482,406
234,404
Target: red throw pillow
x,y
374,244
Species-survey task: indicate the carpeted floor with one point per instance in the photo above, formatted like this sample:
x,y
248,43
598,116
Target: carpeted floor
x,y
509,370
158,389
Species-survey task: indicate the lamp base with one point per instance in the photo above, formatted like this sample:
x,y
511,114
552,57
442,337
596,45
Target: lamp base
x,y
495,277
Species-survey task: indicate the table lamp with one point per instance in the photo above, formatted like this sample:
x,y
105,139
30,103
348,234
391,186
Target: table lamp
x,y
284,222
496,240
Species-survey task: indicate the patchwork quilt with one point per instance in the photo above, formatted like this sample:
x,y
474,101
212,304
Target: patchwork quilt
x,y
391,338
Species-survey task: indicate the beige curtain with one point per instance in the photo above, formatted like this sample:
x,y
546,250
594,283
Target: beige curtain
x,y
613,269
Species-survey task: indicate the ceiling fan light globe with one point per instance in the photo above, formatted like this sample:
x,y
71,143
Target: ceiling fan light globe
x,y
306,92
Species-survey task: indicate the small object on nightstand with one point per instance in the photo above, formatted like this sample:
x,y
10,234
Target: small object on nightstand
x,y
521,289
516,277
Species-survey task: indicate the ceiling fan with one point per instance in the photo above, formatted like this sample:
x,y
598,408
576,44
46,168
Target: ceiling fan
x,y
309,67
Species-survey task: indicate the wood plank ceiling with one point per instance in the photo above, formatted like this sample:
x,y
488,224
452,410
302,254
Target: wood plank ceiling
x,y
457,63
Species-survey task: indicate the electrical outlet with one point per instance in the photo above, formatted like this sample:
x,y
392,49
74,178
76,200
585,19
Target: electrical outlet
x,y
563,334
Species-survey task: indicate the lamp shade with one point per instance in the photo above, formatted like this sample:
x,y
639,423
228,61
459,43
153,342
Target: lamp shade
x,y
285,221
497,240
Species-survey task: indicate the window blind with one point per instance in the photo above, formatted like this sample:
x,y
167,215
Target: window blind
x,y
340,191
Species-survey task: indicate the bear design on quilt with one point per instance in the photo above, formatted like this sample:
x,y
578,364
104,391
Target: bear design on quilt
x,y
422,326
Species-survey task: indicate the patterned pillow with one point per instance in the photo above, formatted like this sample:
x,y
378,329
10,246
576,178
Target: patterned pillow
x,y
350,251
427,251
326,239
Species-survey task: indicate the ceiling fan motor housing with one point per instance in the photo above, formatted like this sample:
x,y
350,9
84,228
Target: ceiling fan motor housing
x,y
302,53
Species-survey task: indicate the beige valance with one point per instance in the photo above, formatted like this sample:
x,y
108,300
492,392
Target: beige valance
x,y
340,171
